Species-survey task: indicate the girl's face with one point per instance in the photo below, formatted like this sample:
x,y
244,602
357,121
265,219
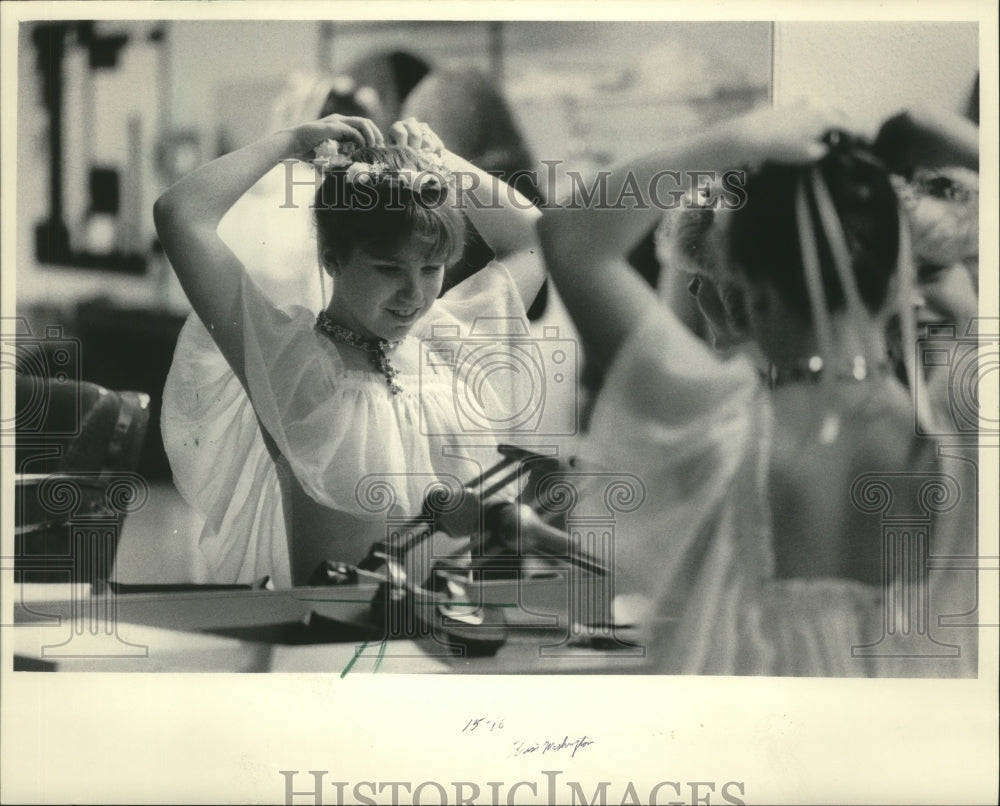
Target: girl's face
x,y
948,294
714,291
715,301
385,297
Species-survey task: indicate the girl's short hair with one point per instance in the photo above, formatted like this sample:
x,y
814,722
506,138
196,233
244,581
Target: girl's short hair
x,y
381,215
764,240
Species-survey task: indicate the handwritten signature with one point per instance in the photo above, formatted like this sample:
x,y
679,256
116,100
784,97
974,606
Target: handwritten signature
x,y
524,748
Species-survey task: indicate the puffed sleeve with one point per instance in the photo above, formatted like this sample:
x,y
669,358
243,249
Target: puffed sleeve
x,y
220,464
489,293
519,377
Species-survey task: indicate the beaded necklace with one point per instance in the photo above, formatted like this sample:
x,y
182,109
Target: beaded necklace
x,y
812,370
378,349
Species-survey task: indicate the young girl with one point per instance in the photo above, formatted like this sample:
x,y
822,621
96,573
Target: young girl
x,y
759,549
272,418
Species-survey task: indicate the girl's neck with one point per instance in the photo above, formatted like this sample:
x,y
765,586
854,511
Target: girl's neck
x,y
339,315
378,352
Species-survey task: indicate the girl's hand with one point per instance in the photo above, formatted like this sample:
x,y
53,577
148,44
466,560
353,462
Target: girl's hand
x,y
418,136
790,134
357,130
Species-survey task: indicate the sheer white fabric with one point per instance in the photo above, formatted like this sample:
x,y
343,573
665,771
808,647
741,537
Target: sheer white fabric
x,y
335,426
697,430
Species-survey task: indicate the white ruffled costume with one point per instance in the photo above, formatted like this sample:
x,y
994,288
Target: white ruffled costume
x,y
333,425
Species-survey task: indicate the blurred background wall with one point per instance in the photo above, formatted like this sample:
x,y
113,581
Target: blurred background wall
x,y
181,92
581,92
875,69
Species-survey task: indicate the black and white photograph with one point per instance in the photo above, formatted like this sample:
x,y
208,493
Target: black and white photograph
x,y
477,403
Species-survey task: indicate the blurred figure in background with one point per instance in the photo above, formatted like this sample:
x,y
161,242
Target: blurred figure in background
x,y
472,117
275,241
934,156
383,83
470,111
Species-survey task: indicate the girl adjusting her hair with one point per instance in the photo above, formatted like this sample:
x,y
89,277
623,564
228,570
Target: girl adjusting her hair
x,y
295,435
759,548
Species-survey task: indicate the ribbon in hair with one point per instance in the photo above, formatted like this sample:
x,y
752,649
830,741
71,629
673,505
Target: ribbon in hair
x,y
834,233
905,272
813,276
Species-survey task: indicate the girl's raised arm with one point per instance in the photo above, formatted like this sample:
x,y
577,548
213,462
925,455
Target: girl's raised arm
x,y
187,218
927,137
585,247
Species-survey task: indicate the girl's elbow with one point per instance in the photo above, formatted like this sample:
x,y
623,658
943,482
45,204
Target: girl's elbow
x,y
557,226
547,226
164,212
171,216
557,238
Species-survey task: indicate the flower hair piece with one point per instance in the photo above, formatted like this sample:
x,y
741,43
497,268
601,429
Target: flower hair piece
x,y
366,173
332,155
